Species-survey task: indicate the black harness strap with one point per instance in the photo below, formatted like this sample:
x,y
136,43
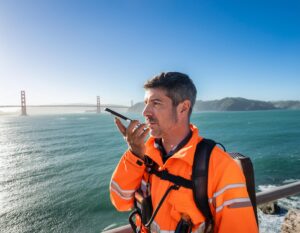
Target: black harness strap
x,y
178,180
200,178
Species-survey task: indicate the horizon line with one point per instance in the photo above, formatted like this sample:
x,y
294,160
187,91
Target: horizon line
x,y
124,106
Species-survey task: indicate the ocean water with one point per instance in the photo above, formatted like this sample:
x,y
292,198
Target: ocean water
x,y
55,169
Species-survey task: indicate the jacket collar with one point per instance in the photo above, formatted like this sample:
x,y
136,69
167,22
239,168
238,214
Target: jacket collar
x,y
186,153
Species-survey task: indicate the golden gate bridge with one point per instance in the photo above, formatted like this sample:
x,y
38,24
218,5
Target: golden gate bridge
x,y
97,106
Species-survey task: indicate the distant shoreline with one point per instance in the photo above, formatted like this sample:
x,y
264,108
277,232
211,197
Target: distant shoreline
x,y
233,104
222,105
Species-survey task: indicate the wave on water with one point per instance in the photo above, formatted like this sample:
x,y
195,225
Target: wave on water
x,y
55,169
290,181
111,226
83,118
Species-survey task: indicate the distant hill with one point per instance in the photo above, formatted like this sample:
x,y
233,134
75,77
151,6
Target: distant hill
x,y
137,108
286,104
232,104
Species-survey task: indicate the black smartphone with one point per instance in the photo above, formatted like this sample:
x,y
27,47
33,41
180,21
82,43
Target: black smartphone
x,y
117,114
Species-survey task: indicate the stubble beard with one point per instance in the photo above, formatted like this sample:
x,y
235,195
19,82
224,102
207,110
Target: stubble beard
x,y
158,132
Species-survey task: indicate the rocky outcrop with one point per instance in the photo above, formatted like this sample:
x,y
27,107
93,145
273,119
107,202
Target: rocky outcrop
x,y
291,222
270,208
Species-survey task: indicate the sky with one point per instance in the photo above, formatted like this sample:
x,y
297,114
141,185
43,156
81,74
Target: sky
x,y
63,52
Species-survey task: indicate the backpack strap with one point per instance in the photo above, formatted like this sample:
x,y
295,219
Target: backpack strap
x,y
200,178
165,175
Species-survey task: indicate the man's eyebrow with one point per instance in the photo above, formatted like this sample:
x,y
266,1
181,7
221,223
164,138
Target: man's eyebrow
x,y
159,100
153,100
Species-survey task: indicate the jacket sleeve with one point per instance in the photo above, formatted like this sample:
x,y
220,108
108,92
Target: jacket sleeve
x,y
125,180
229,197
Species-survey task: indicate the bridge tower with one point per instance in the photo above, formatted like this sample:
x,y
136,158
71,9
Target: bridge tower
x,y
98,105
23,104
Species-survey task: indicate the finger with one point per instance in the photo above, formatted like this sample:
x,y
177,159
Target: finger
x,y
131,126
139,129
145,133
120,126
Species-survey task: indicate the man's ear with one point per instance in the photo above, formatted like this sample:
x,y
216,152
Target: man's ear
x,y
184,106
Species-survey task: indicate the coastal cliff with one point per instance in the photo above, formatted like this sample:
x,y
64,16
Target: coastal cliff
x,y
232,104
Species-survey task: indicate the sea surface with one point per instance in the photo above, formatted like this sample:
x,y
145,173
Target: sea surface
x,y
55,169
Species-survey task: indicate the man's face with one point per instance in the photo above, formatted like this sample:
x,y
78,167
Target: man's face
x,y
159,112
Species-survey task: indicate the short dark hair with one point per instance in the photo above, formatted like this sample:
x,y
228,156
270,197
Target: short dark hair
x,y
178,87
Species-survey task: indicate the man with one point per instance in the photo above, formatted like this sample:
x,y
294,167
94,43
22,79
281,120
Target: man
x,y
169,100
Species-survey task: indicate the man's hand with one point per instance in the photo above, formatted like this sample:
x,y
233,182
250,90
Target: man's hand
x,y
135,135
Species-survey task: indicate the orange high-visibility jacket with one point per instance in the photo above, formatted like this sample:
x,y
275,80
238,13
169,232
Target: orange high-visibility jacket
x,y
227,192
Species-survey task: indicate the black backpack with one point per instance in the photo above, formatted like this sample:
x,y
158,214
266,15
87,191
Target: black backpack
x,y
200,177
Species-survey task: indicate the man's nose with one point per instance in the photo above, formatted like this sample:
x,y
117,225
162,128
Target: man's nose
x,y
146,111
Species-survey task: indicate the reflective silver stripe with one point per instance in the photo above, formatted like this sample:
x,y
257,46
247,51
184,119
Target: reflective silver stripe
x,y
230,186
120,195
229,202
200,229
124,194
154,228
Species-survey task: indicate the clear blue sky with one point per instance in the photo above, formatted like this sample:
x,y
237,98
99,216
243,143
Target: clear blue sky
x,y
71,51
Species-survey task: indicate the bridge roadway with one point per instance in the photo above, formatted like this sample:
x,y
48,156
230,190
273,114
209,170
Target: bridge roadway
x,y
64,106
